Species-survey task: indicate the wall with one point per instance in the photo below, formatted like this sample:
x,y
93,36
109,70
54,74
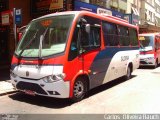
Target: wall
x,y
129,6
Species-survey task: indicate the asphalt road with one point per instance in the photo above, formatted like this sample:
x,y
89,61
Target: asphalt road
x,y
137,95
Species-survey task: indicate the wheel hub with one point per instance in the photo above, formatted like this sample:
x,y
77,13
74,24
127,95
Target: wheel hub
x,y
78,89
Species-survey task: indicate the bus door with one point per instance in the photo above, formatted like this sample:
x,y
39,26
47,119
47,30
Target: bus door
x,y
91,52
84,48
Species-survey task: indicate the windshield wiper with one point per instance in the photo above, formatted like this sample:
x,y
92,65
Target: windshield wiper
x,y
28,44
42,37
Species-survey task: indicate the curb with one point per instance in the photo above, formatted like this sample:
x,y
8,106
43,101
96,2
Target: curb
x,y
9,90
7,93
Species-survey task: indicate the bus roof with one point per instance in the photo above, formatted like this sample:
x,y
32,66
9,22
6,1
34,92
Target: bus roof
x,y
98,16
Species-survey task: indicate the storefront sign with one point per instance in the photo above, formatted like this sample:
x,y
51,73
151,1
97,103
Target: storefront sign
x,y
39,7
118,14
5,17
56,4
78,5
18,16
104,11
84,6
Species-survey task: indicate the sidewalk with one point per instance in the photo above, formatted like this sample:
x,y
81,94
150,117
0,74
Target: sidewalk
x,y
6,87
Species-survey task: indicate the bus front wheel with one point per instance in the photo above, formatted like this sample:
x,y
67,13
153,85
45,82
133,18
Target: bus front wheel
x,y
79,89
156,64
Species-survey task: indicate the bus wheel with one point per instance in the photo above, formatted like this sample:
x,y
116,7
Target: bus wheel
x,y
128,75
79,89
156,64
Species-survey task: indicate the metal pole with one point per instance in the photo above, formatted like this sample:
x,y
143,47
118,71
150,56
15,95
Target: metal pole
x,y
14,26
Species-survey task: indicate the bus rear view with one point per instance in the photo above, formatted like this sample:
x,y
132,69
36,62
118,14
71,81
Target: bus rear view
x,y
149,49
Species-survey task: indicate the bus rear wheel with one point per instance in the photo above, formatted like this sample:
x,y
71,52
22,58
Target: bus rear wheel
x,y
128,75
79,89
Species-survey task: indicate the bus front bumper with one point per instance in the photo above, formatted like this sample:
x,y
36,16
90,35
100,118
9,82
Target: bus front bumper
x,y
58,89
147,61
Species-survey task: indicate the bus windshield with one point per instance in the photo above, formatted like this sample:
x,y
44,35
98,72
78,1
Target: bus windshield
x,y
146,42
54,31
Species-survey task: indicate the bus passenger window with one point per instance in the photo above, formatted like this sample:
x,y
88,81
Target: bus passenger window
x,y
110,34
123,36
133,37
74,45
92,39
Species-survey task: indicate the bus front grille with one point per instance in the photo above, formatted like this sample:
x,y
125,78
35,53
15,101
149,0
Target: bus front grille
x,y
30,86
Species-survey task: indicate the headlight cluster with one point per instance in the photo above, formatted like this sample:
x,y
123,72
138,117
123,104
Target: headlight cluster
x,y
12,74
53,78
149,58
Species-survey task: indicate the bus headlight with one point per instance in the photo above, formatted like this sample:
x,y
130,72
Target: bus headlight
x,y
12,74
150,58
54,78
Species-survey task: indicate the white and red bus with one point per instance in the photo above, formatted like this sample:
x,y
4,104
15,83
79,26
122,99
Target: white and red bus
x,y
65,54
150,49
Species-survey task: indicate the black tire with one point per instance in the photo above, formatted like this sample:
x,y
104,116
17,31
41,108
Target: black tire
x,y
79,89
156,64
129,72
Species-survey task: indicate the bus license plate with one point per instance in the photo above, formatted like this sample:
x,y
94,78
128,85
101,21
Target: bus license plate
x,y
29,92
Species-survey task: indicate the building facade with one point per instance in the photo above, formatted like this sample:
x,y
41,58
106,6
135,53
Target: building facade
x,y
157,15
117,5
149,16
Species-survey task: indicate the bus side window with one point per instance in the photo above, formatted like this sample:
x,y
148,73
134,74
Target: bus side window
x,y
92,39
110,34
73,53
95,35
133,37
123,36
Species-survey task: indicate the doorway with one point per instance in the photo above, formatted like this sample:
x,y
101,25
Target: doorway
x,y
4,53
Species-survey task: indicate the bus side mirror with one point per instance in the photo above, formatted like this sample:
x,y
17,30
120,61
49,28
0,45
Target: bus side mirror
x,y
21,32
87,28
20,36
82,22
